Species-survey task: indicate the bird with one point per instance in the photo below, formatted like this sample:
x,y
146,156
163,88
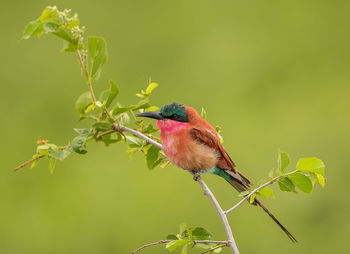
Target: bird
x,y
191,143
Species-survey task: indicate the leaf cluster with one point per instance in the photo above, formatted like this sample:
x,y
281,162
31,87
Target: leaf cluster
x,y
187,237
59,23
307,173
104,111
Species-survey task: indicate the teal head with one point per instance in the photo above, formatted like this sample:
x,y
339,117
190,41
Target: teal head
x,y
174,111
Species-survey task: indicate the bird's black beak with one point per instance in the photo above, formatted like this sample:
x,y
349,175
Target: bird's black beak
x,y
152,114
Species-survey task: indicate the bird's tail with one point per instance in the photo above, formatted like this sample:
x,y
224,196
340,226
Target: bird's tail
x,y
240,183
291,237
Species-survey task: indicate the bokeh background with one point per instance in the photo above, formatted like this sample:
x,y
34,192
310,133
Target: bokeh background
x,y
272,74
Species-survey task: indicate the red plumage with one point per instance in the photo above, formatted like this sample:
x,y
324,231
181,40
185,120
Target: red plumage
x,y
195,145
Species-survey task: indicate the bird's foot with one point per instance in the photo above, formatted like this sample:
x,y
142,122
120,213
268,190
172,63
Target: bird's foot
x,y
196,175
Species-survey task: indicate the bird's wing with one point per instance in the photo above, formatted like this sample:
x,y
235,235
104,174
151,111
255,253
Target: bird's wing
x,y
206,137
210,139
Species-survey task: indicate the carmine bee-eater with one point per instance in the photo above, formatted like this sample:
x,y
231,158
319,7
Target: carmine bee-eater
x,y
191,143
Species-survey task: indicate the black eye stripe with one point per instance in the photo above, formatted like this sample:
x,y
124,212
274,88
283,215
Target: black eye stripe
x,y
177,117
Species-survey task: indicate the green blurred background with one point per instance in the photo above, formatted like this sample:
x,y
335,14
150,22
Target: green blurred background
x,y
273,74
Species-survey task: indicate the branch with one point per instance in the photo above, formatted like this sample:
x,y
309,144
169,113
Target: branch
x,y
222,244
28,162
105,133
221,213
89,82
216,247
121,128
150,244
86,75
256,190
250,194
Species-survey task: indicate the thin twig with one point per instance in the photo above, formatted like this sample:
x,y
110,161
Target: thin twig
x,y
89,82
209,241
256,190
28,162
223,244
150,244
216,247
86,75
105,133
248,196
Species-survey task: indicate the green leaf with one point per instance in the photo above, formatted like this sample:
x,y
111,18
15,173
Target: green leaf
x,y
286,184
102,126
99,104
133,142
152,108
150,129
204,114
79,145
184,249
218,250
83,102
200,233
75,22
243,193
65,35
173,244
301,181
68,47
52,164
47,13
108,140
266,192
122,109
50,27
97,56
151,87
59,153
320,179
131,151
89,108
91,117
312,164
182,227
104,95
142,105
111,94
33,28
171,237
152,156
252,198
123,118
205,246
36,161
283,162
85,132
43,149
79,142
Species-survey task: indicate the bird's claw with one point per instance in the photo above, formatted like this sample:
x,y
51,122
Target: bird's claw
x,y
196,175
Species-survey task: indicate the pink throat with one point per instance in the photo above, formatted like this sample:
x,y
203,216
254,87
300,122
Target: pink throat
x,y
170,126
